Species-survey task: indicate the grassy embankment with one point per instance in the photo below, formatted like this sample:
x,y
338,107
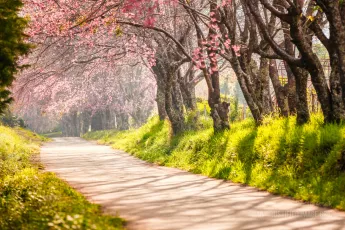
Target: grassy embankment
x,y
305,162
32,199
52,135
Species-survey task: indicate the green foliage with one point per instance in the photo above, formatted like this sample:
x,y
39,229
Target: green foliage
x,y
235,109
12,45
52,135
305,162
31,199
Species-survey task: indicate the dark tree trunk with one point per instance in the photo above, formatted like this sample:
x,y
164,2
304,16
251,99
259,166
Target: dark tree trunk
x,y
302,109
292,97
169,92
254,108
174,110
281,92
160,97
219,110
247,89
336,89
335,12
265,94
188,85
312,64
336,50
188,94
291,90
177,97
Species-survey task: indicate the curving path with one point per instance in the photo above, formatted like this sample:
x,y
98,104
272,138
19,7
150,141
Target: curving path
x,y
158,198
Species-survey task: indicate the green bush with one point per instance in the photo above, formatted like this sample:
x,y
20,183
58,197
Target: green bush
x,y
305,162
31,199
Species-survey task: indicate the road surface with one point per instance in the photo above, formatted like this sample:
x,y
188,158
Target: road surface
x,y
151,197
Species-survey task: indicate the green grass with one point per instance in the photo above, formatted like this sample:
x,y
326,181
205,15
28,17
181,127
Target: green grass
x,y
303,162
52,135
32,199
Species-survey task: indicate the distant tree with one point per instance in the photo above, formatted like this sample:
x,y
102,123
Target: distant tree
x,y
12,45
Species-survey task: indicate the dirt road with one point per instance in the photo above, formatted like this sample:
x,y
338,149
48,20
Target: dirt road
x,y
159,198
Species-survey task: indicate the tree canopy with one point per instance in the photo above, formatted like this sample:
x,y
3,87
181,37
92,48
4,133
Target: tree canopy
x,y
12,45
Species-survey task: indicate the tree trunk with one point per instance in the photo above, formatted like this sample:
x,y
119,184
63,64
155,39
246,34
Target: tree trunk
x,y
219,110
336,50
188,94
312,64
289,46
160,98
291,90
188,90
335,12
302,109
247,90
280,91
174,111
265,94
336,89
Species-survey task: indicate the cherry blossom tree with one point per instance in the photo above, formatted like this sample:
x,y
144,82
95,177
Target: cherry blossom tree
x,y
67,80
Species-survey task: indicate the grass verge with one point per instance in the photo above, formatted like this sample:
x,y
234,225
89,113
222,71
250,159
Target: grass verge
x,y
32,199
304,162
52,135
